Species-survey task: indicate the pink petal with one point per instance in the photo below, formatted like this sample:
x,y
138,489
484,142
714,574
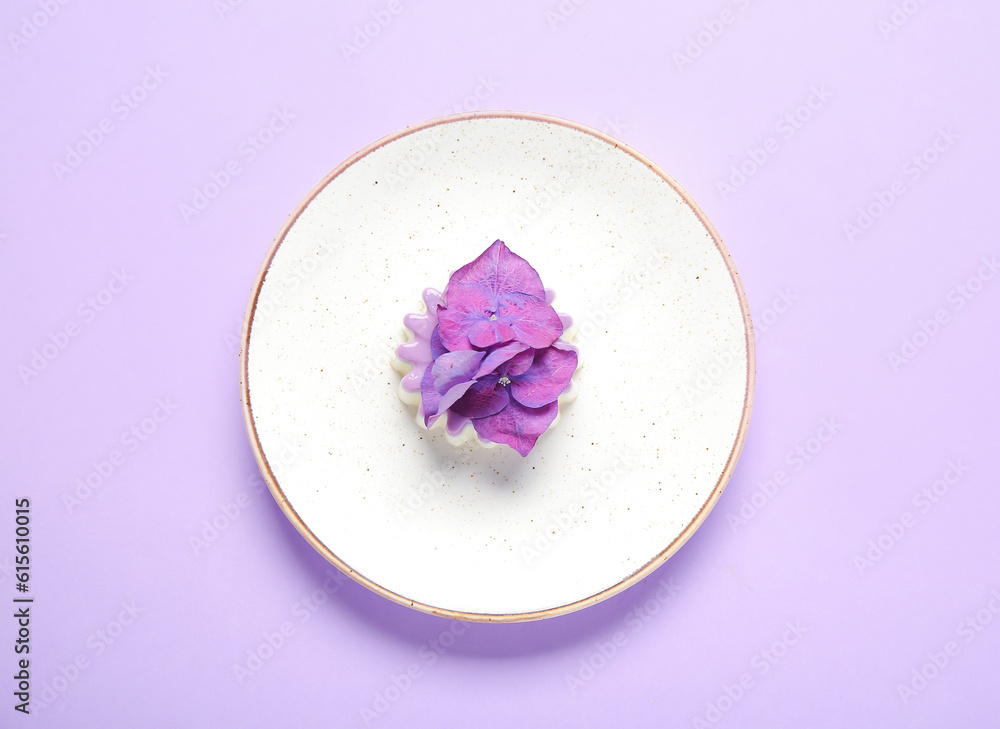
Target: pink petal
x,y
430,398
519,365
500,271
516,425
487,332
546,379
533,322
434,403
483,399
452,368
455,393
500,355
436,345
467,306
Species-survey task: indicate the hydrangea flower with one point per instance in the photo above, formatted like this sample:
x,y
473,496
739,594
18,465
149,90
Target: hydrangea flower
x,y
496,353
497,298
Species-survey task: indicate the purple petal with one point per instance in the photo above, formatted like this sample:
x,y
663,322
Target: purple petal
x,y
534,322
546,379
456,423
433,402
498,356
467,306
455,393
516,425
437,346
500,271
452,368
483,399
430,398
487,332
519,365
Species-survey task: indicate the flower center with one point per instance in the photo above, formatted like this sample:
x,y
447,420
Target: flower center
x,y
504,380
493,317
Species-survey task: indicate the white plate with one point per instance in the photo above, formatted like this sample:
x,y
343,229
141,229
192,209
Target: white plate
x,y
635,463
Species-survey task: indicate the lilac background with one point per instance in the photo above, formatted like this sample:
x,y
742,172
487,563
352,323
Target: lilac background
x,y
171,334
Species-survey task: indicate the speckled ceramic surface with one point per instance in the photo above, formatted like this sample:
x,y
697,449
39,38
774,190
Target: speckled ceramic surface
x,y
636,462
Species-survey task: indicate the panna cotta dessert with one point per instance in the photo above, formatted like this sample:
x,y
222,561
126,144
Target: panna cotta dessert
x,y
489,360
